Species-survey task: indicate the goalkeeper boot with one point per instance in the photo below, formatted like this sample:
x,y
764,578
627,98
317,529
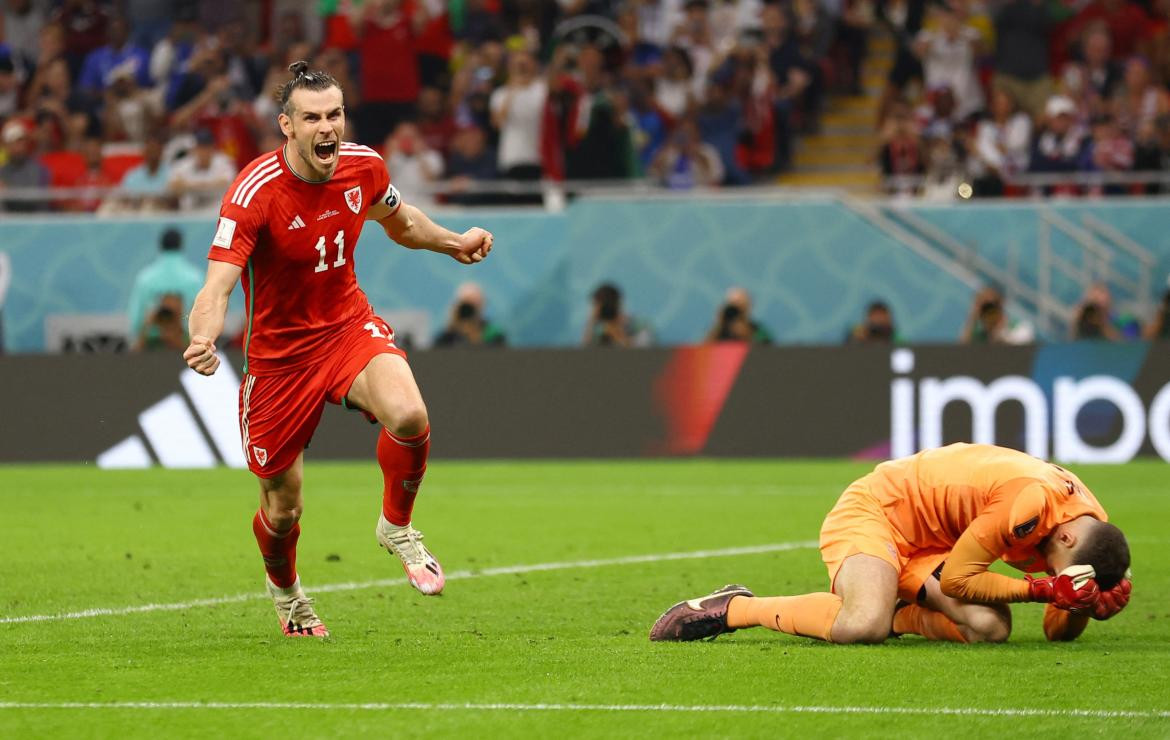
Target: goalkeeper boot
x,y
697,619
422,569
295,612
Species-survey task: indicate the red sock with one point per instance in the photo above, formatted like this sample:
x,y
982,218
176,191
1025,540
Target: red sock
x,y
279,550
403,461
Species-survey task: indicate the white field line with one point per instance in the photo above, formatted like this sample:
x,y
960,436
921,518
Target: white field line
x,y
386,582
697,708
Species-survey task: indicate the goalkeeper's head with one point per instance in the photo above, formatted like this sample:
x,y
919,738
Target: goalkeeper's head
x,y
1093,542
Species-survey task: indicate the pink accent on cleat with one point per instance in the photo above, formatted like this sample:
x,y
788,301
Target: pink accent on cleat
x,y
422,568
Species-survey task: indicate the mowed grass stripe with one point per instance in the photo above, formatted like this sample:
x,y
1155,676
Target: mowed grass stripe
x,y
387,582
517,707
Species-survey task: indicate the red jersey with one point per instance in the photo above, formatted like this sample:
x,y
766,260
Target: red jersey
x,y
295,240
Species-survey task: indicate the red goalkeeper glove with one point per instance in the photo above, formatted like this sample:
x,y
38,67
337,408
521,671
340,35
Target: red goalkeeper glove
x,y
1110,602
1074,589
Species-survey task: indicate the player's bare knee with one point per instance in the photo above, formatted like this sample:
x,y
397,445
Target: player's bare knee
x,y
864,628
408,419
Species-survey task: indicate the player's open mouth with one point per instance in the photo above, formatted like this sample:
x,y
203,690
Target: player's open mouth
x,y
325,150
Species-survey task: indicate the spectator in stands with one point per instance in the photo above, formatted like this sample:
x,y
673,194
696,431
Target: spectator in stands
x,y
693,34
790,77
467,324
1109,151
610,326
988,322
1091,81
687,161
901,153
390,78
877,328
944,169
674,89
84,24
22,22
118,53
720,121
903,19
95,179
199,179
1138,101
1061,142
129,111
415,167
21,169
601,145
1002,143
650,125
1022,32
170,54
10,79
734,321
148,181
436,125
1125,22
162,294
517,110
470,160
948,52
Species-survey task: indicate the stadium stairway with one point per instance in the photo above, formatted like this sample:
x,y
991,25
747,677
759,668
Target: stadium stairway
x,y
842,153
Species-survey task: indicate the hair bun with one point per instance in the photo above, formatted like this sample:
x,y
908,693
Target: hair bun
x,y
299,68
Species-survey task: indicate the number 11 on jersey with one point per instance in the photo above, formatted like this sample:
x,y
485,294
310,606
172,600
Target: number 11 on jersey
x,y
339,240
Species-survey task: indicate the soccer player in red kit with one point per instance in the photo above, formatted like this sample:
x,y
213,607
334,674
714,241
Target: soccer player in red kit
x,y
287,230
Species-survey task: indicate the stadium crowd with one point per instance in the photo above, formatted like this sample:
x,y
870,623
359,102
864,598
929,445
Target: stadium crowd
x,y
168,98
1023,97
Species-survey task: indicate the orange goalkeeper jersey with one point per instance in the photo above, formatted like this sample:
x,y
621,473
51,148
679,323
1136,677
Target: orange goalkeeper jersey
x,y
1010,501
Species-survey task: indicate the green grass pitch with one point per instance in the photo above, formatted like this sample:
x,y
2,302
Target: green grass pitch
x,y
559,650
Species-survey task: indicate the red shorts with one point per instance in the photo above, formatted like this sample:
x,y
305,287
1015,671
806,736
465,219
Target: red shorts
x,y
279,413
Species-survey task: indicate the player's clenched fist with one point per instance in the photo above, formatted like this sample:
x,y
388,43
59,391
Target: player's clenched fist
x,y
474,245
1110,602
200,356
1073,589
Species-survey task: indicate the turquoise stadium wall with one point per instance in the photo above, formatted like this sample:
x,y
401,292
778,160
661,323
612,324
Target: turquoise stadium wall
x,y
812,265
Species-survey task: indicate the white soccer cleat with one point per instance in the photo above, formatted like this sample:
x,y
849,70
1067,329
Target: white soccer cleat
x,y
295,611
422,569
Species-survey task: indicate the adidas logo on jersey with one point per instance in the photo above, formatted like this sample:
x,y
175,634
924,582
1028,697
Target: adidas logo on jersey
x,y
297,223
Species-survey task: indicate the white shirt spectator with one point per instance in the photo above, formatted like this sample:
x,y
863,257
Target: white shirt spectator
x,y
950,62
520,132
202,188
1002,148
414,174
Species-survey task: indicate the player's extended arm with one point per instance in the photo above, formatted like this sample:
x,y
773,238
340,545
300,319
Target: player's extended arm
x,y
207,315
413,229
965,576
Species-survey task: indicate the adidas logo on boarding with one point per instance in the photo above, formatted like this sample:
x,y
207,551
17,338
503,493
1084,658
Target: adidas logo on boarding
x,y
297,223
187,430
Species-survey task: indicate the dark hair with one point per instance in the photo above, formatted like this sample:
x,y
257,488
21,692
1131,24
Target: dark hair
x,y
303,79
878,306
609,301
1104,547
171,241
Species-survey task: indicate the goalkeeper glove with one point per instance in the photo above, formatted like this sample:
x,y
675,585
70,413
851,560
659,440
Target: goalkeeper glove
x,y
1073,589
1110,602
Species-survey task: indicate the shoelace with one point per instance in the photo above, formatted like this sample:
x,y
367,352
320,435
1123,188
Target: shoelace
x,y
408,542
300,612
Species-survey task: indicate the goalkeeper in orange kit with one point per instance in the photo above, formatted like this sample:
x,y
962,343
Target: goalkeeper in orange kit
x,y
908,548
